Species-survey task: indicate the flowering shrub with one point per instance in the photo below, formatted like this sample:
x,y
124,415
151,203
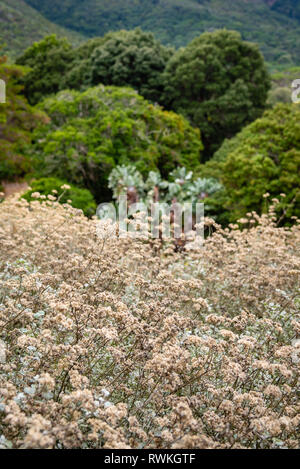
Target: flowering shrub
x,y
124,343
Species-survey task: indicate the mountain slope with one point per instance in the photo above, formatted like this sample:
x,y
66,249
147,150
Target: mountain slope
x,y
290,8
21,25
274,24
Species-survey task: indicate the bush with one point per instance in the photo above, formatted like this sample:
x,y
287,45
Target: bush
x,y
80,198
281,86
111,343
92,132
263,158
279,95
180,187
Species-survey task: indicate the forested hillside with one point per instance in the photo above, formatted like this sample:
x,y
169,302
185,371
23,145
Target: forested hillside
x,y
273,24
290,8
21,25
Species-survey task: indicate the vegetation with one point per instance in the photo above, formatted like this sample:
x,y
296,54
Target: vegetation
x,y
219,82
17,120
289,8
114,343
49,61
92,132
21,25
274,25
125,58
54,65
180,187
281,85
263,158
64,193
132,58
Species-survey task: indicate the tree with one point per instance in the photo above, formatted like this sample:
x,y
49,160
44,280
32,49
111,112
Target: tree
x,y
77,74
93,131
124,58
219,82
17,120
264,158
48,61
131,58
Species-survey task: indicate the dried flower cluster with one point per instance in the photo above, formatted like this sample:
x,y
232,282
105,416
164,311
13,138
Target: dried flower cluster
x,y
125,343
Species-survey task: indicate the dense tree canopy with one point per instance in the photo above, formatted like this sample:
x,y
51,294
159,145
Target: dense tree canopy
x,y
219,82
17,119
263,158
131,58
55,65
49,61
92,132
124,58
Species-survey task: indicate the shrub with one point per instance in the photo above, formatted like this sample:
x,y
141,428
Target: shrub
x,y
281,86
264,157
180,187
92,132
80,198
123,343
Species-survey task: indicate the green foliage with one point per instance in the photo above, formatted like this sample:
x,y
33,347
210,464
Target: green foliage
x,y
21,25
80,198
92,132
289,8
125,58
279,95
219,82
17,120
78,64
131,58
123,177
180,187
274,25
282,85
264,158
54,65
48,60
